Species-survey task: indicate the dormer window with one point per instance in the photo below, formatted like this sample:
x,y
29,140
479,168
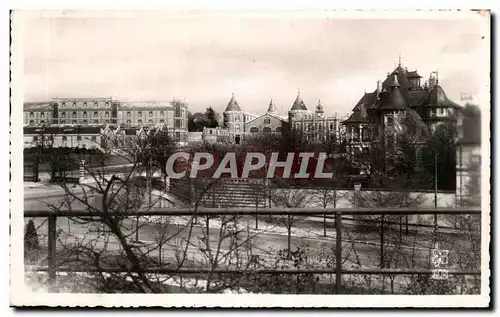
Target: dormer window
x,y
267,121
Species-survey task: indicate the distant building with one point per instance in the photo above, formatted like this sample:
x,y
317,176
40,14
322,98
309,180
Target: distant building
x,y
269,122
100,112
314,124
376,114
235,119
64,136
468,157
216,135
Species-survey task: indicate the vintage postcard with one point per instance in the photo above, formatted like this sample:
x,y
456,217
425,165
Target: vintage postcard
x,y
246,159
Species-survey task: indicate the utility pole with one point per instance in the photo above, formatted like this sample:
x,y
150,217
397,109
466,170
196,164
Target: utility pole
x,y
435,194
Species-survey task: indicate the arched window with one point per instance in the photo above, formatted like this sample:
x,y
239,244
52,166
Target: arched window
x,y
151,113
150,121
42,115
85,114
254,129
237,128
63,115
95,104
32,115
266,129
267,121
74,104
96,114
74,114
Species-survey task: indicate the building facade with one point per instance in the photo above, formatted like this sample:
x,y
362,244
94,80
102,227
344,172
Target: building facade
x,y
468,155
101,112
314,124
89,137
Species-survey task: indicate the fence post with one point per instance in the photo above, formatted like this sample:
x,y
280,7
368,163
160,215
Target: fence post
x,y
382,224
52,248
338,253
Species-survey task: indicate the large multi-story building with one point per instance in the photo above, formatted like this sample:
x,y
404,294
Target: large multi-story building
x,y
377,114
314,124
107,111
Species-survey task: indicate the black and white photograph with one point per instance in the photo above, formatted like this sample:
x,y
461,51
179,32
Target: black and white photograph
x,y
245,159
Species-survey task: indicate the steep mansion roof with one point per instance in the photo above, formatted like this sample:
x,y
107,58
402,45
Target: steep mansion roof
x,y
397,92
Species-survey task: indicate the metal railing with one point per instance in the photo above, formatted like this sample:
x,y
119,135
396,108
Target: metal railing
x,y
338,270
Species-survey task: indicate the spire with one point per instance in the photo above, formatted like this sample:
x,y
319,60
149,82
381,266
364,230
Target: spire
x,y
298,104
395,82
399,60
232,104
272,107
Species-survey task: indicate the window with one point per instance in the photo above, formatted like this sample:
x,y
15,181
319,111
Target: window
x,y
32,115
331,126
63,121
177,110
390,122
85,114
74,104
150,121
139,121
85,122
254,129
237,128
162,113
63,115
35,139
93,139
41,121
278,129
96,121
96,114
162,121
85,104
266,129
107,121
139,113
151,113
267,121
107,103
42,115
96,104
211,132
433,112
106,114
128,122
73,122
74,114
32,122
128,114
64,104
78,138
64,138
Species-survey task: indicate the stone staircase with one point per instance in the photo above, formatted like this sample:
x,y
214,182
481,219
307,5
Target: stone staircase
x,y
224,194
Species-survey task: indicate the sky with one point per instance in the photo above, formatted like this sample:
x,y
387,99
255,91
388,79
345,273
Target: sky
x,y
204,57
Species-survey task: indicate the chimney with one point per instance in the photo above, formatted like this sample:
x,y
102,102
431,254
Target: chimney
x,y
379,87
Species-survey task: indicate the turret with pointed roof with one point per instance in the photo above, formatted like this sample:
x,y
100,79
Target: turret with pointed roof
x,y
298,104
232,105
272,107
